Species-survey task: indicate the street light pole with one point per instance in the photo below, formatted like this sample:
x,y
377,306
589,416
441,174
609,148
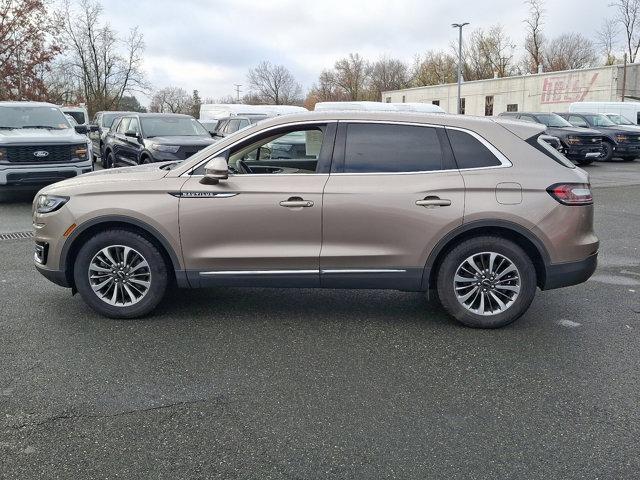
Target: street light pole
x,y
459,27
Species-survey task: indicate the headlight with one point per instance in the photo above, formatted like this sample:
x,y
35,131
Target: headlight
x,y
165,148
49,203
80,151
571,140
621,138
3,154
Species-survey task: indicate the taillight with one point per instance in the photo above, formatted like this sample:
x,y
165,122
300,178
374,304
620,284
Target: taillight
x,y
571,193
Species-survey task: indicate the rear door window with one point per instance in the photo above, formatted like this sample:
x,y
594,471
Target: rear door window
x,y
469,152
388,148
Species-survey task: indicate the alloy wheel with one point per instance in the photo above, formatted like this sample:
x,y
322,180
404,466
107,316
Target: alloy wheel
x,y
119,275
487,283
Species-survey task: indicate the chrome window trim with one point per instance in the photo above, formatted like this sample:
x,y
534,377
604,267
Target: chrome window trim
x,y
504,161
188,173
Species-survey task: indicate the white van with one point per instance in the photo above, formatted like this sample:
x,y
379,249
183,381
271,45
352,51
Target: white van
x,y
629,110
378,107
216,111
79,113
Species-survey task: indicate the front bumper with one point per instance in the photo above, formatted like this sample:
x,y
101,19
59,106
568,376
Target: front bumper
x,y
25,175
581,153
56,276
570,273
624,149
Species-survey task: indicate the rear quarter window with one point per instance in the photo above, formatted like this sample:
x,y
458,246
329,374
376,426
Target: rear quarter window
x,y
469,152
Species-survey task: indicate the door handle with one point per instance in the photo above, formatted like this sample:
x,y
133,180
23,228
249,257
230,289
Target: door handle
x,y
296,202
433,202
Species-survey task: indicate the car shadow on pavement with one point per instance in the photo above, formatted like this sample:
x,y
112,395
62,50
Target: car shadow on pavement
x,y
304,305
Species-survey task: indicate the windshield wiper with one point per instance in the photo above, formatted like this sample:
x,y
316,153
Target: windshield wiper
x,y
2,127
48,127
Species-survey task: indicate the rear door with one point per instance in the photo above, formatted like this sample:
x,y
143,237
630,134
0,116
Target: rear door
x,y
393,193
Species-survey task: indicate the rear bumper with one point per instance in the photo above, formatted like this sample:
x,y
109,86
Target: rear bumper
x,y
571,273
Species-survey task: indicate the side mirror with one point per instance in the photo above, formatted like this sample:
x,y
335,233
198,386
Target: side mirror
x,y
130,133
82,129
93,128
215,170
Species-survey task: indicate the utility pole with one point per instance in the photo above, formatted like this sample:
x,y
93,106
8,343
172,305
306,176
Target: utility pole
x,y
459,27
238,85
624,78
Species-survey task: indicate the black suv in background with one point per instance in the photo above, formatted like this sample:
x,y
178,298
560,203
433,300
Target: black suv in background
x,y
579,145
102,122
617,140
227,126
154,137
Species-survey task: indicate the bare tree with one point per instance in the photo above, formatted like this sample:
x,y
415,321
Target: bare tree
x,y
388,74
350,75
171,100
534,41
105,66
628,16
607,40
434,69
488,53
570,51
274,84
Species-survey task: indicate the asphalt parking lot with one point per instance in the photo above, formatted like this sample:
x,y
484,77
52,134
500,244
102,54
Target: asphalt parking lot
x,y
305,384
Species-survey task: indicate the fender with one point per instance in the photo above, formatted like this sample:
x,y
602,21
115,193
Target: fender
x,y
181,277
444,241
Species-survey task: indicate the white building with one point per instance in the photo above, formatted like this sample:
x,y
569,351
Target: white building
x,y
542,92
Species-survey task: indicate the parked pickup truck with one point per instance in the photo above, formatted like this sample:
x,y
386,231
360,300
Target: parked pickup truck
x,y
38,145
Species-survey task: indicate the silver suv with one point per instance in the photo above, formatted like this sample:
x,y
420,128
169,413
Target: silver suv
x,y
38,145
480,211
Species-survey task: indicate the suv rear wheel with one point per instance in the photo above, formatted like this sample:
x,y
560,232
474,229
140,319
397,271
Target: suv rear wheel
x,y
486,282
120,274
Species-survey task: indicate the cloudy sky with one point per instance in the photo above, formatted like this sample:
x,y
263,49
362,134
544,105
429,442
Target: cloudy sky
x,y
210,44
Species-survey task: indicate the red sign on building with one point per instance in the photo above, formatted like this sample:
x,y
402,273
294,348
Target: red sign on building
x,y
566,88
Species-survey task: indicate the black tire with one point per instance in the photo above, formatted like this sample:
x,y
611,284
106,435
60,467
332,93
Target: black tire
x,y
629,158
607,154
455,258
106,158
144,159
158,273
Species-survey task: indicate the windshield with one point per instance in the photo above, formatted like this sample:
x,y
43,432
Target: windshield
x,y
599,120
108,118
552,120
172,126
619,119
32,117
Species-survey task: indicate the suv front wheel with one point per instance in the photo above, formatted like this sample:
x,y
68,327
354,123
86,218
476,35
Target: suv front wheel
x,y
120,274
486,282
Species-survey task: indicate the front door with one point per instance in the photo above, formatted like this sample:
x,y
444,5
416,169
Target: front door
x,y
261,226
393,194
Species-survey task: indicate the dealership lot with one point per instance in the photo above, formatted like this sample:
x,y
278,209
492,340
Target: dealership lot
x,y
259,383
